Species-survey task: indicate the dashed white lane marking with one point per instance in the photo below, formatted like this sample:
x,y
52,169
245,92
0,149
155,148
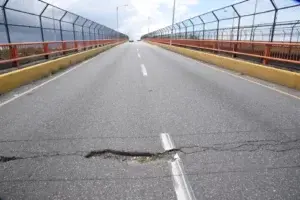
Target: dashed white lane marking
x,y
139,55
144,71
16,96
137,49
181,185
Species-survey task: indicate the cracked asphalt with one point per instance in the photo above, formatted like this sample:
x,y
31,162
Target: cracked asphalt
x,y
94,133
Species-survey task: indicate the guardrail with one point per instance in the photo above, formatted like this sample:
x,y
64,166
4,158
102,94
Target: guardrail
x,y
285,53
16,53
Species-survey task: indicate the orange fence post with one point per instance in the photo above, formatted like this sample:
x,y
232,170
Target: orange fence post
x,y
83,44
14,55
64,47
76,45
266,54
46,50
215,47
234,49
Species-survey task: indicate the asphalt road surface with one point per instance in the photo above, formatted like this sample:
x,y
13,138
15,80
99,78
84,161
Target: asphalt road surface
x,y
139,122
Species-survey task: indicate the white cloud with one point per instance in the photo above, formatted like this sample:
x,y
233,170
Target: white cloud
x,y
133,20
160,13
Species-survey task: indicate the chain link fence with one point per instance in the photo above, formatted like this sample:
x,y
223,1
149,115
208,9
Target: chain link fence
x,y
249,20
39,21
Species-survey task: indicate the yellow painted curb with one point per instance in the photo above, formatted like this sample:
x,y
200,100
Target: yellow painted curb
x,y
279,76
12,80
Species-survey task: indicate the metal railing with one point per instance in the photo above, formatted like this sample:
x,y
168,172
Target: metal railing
x,y
276,53
15,54
270,20
39,21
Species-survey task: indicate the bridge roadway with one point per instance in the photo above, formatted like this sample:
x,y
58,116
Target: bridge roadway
x,y
235,137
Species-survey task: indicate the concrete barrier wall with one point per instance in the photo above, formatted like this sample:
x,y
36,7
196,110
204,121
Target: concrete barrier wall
x,y
12,80
282,77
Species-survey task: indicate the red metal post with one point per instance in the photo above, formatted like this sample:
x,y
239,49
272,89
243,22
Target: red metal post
x,y
83,44
215,46
14,55
266,54
76,45
234,49
64,47
46,49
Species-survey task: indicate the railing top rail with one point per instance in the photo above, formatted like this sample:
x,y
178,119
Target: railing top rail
x,y
238,42
52,42
285,53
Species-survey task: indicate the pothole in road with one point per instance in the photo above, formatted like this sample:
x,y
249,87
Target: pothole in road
x,y
123,156
133,156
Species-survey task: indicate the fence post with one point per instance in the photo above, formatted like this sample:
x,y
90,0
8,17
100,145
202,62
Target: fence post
x,y
103,34
95,38
41,22
292,32
46,49
74,32
203,31
186,37
234,49
83,28
111,34
179,28
5,21
90,31
274,21
64,47
168,34
193,28
235,45
218,24
185,30
76,45
239,22
14,55
83,44
99,33
60,26
161,32
174,32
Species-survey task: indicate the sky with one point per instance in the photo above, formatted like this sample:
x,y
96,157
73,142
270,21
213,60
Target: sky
x,y
135,18
139,15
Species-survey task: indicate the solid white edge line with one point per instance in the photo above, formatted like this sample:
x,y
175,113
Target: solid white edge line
x,y
17,96
252,81
181,185
237,76
144,71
